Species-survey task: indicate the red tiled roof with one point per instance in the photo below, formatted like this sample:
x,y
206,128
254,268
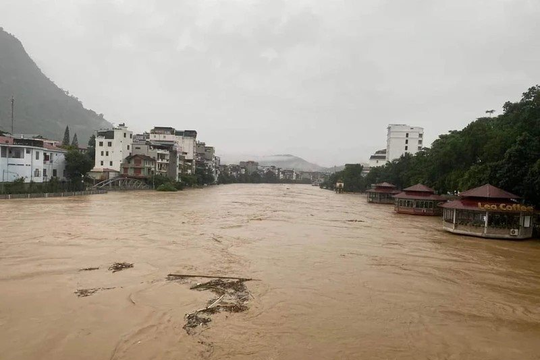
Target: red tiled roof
x,y
469,204
419,188
385,184
6,140
489,192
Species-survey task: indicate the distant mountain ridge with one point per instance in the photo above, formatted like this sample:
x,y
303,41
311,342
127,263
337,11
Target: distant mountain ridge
x,y
284,161
41,107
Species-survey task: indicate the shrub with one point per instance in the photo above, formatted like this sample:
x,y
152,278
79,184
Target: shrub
x,y
166,187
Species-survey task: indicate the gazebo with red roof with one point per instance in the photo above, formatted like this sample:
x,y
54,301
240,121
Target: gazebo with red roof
x,y
489,212
418,200
382,193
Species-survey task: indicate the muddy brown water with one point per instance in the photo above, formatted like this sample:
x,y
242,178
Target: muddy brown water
x,y
339,279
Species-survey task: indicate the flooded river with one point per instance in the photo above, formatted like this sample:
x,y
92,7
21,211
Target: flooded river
x,y
338,279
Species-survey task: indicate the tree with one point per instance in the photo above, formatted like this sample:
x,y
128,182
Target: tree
x,y
352,178
91,151
66,140
77,165
75,142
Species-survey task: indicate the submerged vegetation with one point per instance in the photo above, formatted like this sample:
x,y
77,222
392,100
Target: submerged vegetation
x,y
503,151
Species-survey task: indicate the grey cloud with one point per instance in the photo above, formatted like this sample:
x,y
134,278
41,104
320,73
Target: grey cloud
x,y
321,79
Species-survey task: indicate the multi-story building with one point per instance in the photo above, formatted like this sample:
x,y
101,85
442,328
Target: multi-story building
x,y
112,147
377,159
249,166
34,160
162,146
188,144
139,166
403,139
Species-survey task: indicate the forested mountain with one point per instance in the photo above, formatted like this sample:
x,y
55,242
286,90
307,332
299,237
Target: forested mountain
x,y
503,151
41,107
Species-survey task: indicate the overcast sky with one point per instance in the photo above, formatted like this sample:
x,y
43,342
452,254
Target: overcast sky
x,y
320,79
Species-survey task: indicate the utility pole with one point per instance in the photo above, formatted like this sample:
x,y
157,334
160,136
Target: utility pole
x,y
12,107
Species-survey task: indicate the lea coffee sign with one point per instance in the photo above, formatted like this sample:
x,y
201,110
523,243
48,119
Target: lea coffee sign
x,y
506,207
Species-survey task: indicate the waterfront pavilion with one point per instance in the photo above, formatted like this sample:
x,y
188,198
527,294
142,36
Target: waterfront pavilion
x,y
489,212
382,193
418,200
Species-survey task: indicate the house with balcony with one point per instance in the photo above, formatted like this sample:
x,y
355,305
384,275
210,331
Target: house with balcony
x,y
139,166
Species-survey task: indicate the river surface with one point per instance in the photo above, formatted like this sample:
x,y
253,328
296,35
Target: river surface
x,y
337,279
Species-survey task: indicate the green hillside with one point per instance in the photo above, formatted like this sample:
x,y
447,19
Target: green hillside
x,y
41,107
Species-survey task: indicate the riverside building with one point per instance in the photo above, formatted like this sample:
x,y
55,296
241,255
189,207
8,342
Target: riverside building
x,y
34,160
418,200
489,212
403,139
382,193
112,147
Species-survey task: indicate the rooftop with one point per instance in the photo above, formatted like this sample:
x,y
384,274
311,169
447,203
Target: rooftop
x,y
488,192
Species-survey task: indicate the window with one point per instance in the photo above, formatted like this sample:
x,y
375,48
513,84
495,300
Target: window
x,y
44,173
420,142
55,173
407,135
448,215
106,153
102,153
131,136
125,134
36,173
110,162
420,135
137,148
47,157
16,153
109,143
406,141
28,151
503,221
419,148
37,155
128,147
406,148
102,163
101,143
526,221
3,152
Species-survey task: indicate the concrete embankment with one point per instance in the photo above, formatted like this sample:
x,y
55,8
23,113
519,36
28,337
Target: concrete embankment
x,y
48,195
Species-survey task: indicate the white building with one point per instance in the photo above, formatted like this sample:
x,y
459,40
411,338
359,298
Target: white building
x,y
112,147
34,160
377,159
186,144
402,139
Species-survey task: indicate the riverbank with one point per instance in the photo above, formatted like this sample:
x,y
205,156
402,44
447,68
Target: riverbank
x,y
51,195
333,278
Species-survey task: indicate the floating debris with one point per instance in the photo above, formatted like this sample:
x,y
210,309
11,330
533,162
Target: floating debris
x,y
89,269
233,296
120,266
88,292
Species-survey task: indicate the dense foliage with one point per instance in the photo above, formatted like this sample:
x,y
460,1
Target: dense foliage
x,y
503,151
77,165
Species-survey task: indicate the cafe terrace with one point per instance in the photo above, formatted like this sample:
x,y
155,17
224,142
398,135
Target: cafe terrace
x,y
489,212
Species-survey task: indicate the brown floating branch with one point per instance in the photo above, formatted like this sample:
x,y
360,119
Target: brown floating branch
x,y
211,277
